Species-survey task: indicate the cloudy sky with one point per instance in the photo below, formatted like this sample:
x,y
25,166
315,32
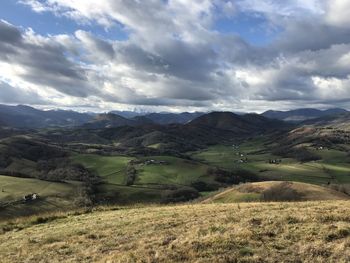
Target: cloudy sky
x,y
156,55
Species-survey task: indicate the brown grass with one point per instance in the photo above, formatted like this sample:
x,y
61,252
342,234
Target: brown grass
x,y
307,192
246,232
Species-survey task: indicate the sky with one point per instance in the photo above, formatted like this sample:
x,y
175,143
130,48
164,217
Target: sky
x,y
175,55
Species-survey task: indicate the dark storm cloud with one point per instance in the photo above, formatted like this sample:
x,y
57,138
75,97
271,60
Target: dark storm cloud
x,y
9,34
43,62
175,58
311,35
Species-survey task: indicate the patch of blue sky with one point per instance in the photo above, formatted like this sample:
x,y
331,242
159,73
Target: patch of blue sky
x,y
46,23
254,28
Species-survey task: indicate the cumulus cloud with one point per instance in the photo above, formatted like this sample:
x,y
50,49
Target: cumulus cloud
x,y
175,56
41,61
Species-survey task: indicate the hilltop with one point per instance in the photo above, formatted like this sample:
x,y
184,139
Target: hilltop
x,y
276,191
248,232
239,124
300,115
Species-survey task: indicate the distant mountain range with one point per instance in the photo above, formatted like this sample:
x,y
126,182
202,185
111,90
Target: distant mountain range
x,y
169,118
300,115
248,123
137,136
339,121
22,116
162,118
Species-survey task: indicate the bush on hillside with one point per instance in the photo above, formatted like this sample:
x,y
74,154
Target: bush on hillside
x,y
179,195
84,197
4,161
281,192
130,174
62,169
32,150
234,177
301,154
343,188
201,186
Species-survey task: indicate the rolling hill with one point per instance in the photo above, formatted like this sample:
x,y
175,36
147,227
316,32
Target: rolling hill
x,y
340,121
109,120
239,124
22,116
173,118
284,191
330,131
300,115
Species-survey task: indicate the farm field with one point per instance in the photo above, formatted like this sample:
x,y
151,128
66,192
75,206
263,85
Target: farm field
x,y
129,194
53,195
175,171
111,168
334,166
150,178
248,232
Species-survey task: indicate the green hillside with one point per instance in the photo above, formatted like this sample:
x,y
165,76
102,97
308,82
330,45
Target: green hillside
x,y
52,196
333,166
111,168
175,171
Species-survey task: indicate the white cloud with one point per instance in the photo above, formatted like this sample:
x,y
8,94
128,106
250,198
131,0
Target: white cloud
x,y
339,13
173,57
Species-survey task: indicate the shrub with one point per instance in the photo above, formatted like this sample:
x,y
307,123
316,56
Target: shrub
x,y
301,154
179,195
281,192
344,188
84,197
131,174
204,187
235,177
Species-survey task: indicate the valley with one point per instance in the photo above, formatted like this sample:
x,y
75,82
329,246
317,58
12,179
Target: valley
x,y
194,191
119,163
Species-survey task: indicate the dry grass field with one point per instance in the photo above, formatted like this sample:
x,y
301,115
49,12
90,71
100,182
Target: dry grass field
x,y
254,192
316,231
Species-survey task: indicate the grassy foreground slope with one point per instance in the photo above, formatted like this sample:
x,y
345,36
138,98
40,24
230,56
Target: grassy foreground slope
x,y
254,191
248,232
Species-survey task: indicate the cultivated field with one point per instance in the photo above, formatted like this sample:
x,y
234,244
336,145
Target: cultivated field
x,y
245,232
